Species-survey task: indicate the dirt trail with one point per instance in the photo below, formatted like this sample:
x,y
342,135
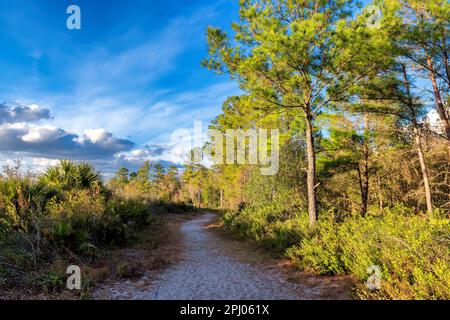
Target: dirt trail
x,y
208,269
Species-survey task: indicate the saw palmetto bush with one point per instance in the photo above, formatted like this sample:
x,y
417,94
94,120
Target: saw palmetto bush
x,y
66,211
69,175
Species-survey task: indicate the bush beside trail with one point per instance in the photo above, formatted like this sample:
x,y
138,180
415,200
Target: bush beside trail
x,y
65,216
412,251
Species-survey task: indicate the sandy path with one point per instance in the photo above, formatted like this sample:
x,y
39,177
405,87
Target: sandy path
x,y
209,270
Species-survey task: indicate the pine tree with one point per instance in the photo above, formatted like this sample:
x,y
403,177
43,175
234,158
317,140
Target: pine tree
x,y
293,54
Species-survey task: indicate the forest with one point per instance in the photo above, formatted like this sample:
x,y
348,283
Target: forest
x,y
360,96
364,169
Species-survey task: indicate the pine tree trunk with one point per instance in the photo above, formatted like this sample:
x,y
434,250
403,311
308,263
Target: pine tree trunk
x,y
311,173
423,167
364,175
364,188
440,108
418,138
445,54
380,194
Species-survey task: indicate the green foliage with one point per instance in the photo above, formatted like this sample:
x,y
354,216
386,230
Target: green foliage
x,y
412,251
48,281
69,212
69,175
272,226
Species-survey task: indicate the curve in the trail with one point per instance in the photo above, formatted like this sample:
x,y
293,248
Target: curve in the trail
x,y
208,270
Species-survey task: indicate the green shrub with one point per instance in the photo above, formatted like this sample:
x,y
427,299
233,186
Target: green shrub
x,y
270,226
320,250
412,251
48,281
130,210
65,212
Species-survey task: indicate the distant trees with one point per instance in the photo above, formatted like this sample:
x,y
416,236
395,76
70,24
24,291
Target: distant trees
x,y
150,181
194,183
194,179
122,175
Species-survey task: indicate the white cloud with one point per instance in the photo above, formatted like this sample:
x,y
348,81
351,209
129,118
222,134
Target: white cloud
x,y
434,122
41,164
16,112
96,135
33,134
52,142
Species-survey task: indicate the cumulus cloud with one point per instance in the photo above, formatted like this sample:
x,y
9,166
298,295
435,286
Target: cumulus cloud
x,y
41,164
99,140
153,150
52,142
16,112
136,158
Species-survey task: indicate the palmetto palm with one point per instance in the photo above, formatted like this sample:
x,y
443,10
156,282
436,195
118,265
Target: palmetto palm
x,y
69,175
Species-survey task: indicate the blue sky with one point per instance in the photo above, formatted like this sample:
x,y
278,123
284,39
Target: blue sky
x,y
112,92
